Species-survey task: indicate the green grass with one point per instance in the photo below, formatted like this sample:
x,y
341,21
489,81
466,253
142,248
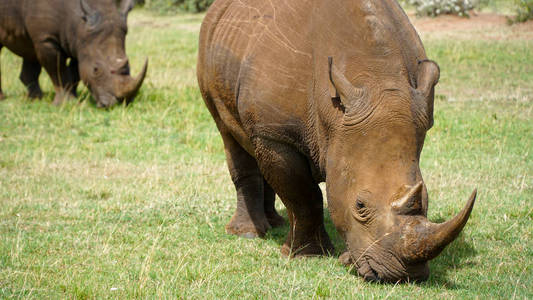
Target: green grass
x,y
498,6
132,202
492,6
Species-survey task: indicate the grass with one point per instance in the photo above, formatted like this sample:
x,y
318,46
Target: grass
x,y
494,6
132,202
498,6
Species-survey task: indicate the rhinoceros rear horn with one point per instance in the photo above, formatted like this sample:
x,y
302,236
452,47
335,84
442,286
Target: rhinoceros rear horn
x,y
410,201
128,87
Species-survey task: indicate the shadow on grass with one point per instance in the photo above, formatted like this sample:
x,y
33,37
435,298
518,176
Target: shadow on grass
x,y
280,234
454,257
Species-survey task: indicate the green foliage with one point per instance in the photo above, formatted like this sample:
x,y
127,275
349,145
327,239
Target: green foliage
x,y
524,11
173,6
434,8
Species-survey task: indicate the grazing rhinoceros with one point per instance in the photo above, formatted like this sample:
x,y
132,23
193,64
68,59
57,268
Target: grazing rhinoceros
x,y
91,33
327,90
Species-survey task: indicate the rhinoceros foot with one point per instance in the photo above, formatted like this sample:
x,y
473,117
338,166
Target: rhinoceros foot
x,y
2,97
243,226
35,94
308,245
62,96
34,90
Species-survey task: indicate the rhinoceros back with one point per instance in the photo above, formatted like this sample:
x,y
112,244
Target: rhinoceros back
x,y
262,64
255,65
13,33
25,22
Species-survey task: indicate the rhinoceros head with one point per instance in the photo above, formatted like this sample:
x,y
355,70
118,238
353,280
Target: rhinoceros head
x,y
103,64
376,195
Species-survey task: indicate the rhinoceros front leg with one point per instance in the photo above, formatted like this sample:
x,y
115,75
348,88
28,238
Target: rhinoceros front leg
x,y
73,77
29,75
289,174
2,97
250,218
55,64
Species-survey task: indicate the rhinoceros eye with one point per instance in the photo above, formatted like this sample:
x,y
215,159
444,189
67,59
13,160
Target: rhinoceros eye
x,y
359,204
360,211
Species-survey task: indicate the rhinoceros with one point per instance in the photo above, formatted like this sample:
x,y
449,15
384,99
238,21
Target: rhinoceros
x,y
71,39
334,91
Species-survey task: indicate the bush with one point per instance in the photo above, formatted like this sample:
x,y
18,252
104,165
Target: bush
x,y
434,8
524,11
174,6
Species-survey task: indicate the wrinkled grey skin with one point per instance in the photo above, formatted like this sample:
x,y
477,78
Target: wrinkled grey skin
x,y
71,39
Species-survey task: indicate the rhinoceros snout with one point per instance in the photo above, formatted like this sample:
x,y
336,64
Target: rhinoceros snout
x,y
385,271
106,101
372,272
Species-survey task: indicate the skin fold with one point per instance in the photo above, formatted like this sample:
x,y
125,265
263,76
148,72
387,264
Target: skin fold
x,y
71,40
332,91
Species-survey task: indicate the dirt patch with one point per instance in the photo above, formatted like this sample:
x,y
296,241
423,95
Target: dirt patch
x,y
484,26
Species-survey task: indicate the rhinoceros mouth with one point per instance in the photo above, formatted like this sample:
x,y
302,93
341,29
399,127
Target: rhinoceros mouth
x,y
107,100
367,272
384,267
391,271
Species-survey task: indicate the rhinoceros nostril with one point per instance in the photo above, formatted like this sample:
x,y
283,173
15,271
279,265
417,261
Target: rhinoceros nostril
x,y
368,273
372,276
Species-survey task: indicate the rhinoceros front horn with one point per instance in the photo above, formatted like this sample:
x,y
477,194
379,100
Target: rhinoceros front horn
x,y
427,239
128,87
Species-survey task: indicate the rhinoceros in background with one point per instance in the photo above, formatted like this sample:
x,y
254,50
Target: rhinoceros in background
x,y
339,91
71,39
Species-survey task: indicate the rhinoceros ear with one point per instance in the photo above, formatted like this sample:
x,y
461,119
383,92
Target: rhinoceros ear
x,y
340,87
428,75
331,86
90,16
126,6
